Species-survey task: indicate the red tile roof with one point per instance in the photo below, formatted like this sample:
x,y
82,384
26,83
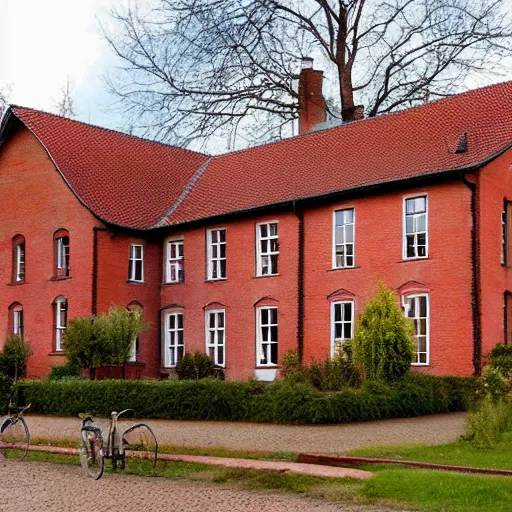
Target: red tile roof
x,y
123,180
135,183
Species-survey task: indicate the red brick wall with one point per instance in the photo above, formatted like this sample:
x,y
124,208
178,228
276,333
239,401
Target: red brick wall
x,y
114,289
239,292
446,272
35,203
494,184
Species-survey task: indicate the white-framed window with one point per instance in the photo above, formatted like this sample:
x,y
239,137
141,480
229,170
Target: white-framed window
x,y
415,244
267,249
342,324
416,307
61,309
343,254
266,336
215,329
63,255
175,272
136,265
20,262
216,251
135,309
174,339
16,319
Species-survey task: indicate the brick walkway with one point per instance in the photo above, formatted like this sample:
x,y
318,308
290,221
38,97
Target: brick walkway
x,y
329,439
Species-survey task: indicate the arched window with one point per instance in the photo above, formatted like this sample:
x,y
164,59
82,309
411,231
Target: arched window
x,y
16,319
18,259
136,309
60,309
61,243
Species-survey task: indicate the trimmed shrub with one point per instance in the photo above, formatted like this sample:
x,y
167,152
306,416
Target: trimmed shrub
x,y
197,366
383,348
501,358
13,359
212,399
5,392
65,371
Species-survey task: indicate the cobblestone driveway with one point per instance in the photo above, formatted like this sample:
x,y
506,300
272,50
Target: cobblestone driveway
x,y
42,487
328,439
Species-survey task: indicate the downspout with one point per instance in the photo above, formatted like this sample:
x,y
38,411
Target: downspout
x,y
300,285
475,281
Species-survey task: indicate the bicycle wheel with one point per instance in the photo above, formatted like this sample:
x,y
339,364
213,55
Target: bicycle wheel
x,y
92,457
14,439
140,438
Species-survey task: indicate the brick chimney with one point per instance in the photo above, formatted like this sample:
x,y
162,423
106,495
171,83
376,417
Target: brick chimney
x,y
312,107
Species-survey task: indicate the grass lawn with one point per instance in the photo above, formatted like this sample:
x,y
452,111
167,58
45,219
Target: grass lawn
x,y
462,453
395,486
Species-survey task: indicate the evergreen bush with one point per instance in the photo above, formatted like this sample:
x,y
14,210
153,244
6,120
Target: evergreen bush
x,y
501,358
65,371
197,366
13,358
383,348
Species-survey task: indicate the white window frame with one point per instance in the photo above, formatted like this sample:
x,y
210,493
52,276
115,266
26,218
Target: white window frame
x,y
132,263
176,330
216,262
259,337
20,260
17,321
343,321
334,265
404,227
216,329
62,253
176,262
59,328
405,297
268,253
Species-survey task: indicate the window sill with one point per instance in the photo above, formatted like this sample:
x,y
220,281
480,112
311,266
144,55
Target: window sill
x,y
334,269
216,280
266,275
406,260
129,281
57,353
16,283
420,365
59,278
173,283
267,367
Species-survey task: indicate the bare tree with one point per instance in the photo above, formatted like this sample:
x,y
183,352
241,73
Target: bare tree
x,y
196,69
65,106
5,92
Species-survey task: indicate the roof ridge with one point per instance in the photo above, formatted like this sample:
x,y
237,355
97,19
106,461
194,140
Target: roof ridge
x,y
185,192
366,119
14,106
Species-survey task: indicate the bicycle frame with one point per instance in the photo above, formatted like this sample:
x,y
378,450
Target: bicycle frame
x,y
115,449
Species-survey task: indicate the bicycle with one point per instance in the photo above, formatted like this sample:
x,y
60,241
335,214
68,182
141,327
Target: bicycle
x,y
14,434
93,453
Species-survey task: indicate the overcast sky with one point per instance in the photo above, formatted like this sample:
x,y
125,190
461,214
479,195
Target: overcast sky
x,y
43,41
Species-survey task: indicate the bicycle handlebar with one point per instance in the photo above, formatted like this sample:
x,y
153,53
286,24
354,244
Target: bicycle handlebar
x,y
124,412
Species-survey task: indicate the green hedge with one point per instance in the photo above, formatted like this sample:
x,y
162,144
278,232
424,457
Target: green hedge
x,y
280,402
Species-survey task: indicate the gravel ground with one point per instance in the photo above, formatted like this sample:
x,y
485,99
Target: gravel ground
x,y
326,439
40,487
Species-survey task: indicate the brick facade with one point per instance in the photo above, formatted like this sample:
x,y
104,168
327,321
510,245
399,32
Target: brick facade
x,y
37,202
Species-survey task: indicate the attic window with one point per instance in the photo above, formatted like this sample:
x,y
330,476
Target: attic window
x,y
462,146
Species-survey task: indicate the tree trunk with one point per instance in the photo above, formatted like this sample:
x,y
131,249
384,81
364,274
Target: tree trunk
x,y
92,373
123,371
344,69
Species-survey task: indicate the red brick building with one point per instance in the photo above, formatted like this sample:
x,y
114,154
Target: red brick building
x,y
249,254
